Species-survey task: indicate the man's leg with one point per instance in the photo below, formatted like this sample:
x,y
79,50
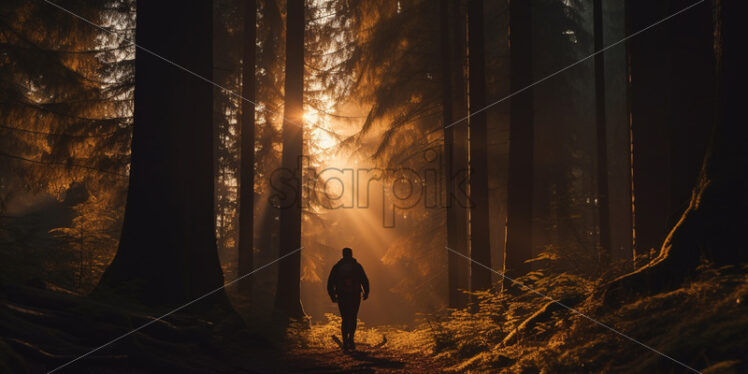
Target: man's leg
x,y
354,318
343,322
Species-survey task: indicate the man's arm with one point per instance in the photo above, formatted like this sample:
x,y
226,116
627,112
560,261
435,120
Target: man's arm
x,y
331,285
364,282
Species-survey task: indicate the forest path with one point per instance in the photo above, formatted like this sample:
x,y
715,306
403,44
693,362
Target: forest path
x,y
365,359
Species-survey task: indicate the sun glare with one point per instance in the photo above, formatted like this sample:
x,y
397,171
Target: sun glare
x,y
310,117
322,138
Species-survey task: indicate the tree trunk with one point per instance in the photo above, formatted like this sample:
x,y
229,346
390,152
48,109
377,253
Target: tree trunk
x,y
714,224
649,75
691,97
247,168
167,252
287,297
629,121
603,204
455,138
518,247
480,246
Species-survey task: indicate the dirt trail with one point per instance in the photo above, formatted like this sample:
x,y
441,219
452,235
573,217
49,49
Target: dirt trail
x,y
365,359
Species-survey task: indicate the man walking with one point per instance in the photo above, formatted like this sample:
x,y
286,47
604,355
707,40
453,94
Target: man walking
x,y
344,285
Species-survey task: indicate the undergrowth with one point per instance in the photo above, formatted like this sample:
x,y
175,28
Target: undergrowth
x,y
703,325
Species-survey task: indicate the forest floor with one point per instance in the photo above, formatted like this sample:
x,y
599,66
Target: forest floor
x,y
379,349
365,359
703,324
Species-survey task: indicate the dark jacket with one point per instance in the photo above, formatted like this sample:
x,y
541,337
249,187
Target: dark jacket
x,y
347,279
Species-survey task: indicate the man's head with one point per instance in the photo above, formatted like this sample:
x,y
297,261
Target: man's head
x,y
347,252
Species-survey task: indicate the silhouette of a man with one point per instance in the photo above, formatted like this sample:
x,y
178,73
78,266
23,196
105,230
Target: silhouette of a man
x,y
344,285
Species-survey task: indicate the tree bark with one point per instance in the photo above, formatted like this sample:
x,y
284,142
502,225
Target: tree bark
x,y
649,79
691,97
480,246
518,248
247,168
167,252
455,151
287,297
628,45
603,203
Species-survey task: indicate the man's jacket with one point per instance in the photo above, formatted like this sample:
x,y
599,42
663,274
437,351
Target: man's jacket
x,y
347,279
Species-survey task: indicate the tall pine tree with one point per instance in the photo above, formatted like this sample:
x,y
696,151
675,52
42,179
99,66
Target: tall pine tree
x,y
288,293
480,248
247,169
603,203
452,21
167,251
518,247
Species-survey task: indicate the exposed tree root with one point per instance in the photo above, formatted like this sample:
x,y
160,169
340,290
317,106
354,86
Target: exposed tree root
x,y
541,315
679,256
712,228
